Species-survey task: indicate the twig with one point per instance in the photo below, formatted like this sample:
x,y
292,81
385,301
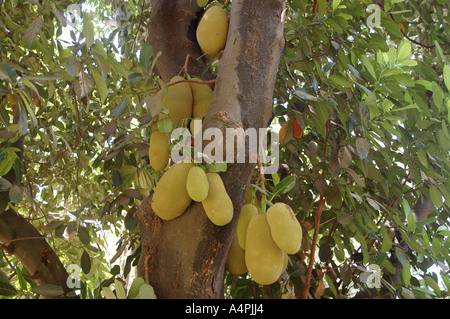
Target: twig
x,y
313,247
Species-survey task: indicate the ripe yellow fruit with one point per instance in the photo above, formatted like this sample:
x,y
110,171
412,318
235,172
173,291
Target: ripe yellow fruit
x,y
284,227
158,151
171,198
212,30
247,212
202,95
264,259
217,205
197,184
236,258
178,100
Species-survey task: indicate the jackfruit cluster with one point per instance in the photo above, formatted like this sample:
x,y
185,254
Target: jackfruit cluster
x,y
181,102
263,241
184,182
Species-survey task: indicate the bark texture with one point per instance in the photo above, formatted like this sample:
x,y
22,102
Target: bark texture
x,y
185,257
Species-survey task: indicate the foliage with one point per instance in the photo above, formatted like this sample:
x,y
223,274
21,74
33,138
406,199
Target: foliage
x,y
372,102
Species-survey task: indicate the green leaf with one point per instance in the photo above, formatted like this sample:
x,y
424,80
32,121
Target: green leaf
x,y
6,289
48,290
368,65
339,82
432,284
100,84
7,158
108,293
88,30
436,196
406,275
133,292
146,292
145,56
15,194
83,235
284,186
202,3
404,49
85,262
120,289
422,156
355,176
322,7
335,4
118,110
33,30
387,241
447,76
401,256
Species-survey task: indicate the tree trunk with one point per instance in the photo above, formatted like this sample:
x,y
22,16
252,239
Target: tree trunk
x,y
185,257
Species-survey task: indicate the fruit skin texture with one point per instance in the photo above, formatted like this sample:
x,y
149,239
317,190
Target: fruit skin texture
x,y
247,212
236,258
217,205
201,95
178,100
212,30
264,259
197,184
284,227
171,198
158,151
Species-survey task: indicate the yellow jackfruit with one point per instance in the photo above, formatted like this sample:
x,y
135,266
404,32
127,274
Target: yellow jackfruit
x,y
197,184
217,205
264,259
284,227
158,151
256,199
247,212
236,258
178,100
171,198
212,30
201,95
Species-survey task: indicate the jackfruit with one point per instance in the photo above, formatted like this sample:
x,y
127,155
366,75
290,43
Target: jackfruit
x,y
158,151
171,198
247,212
264,259
201,95
178,100
217,205
236,258
212,30
284,227
197,184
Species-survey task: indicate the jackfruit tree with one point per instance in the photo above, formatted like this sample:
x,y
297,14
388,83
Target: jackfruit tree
x,y
95,204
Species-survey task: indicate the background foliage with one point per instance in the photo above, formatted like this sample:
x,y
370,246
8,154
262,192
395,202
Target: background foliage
x,y
367,176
